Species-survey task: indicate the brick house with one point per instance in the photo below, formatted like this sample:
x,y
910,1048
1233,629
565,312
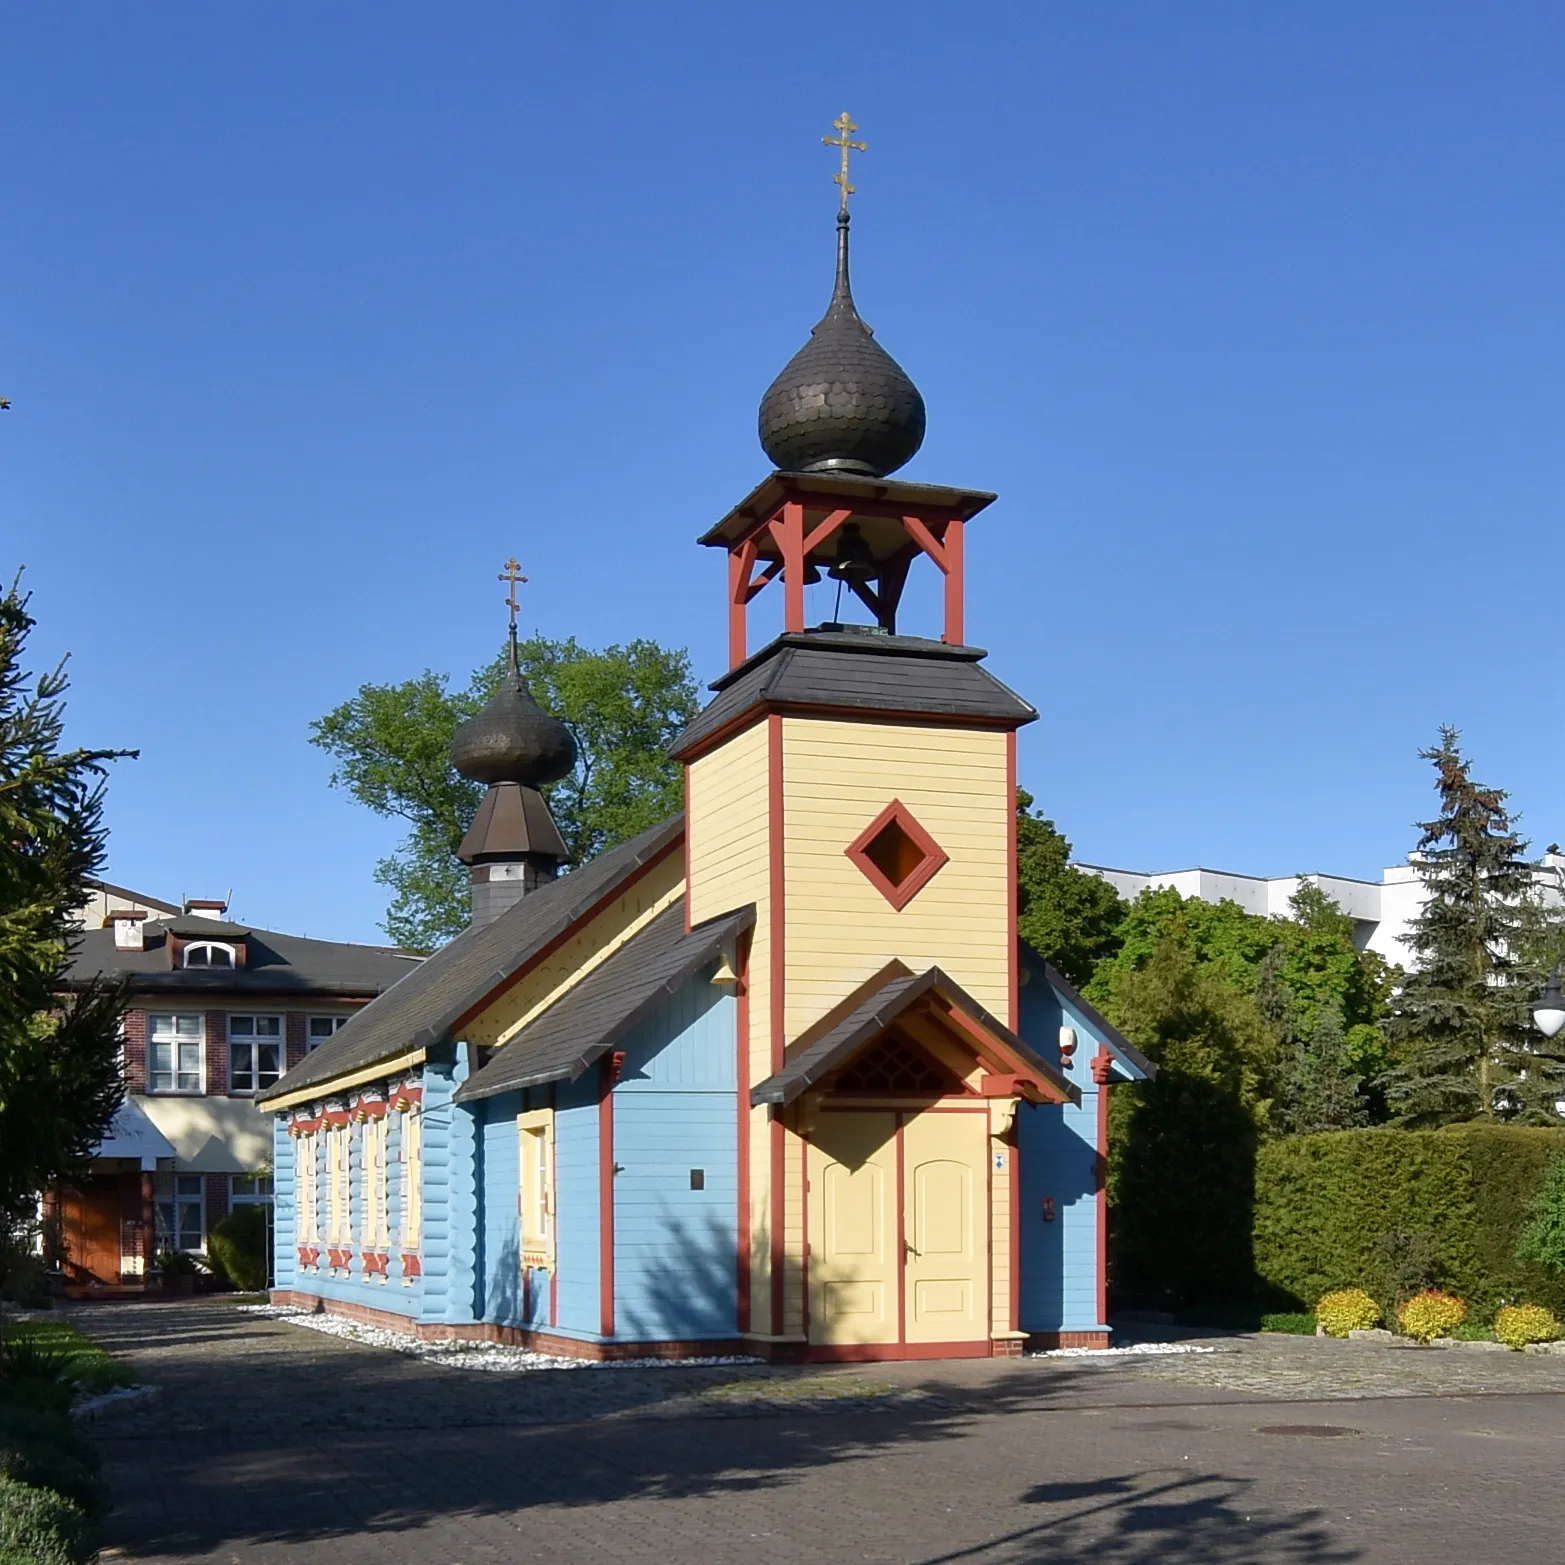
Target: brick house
x,y
218,1011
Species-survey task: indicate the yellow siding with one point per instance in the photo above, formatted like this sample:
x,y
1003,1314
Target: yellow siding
x,y
727,824
589,946
793,1233
838,776
1000,1154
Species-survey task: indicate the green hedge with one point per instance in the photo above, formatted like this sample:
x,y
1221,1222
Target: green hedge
x,y
238,1245
1323,1203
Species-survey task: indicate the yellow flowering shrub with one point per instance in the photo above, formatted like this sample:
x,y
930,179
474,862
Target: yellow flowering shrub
x,y
1430,1314
1348,1309
1518,1324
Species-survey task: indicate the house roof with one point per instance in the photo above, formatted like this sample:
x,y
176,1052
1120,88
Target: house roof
x,y
892,992
857,670
276,965
589,1019
1137,1065
437,993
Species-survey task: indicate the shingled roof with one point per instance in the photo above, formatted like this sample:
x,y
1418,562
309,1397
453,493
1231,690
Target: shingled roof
x,y
276,965
894,991
434,996
851,670
589,1019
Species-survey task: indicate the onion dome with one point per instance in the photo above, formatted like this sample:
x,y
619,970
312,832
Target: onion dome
x,y
842,404
513,739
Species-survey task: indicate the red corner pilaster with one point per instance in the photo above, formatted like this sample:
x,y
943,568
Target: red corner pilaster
x,y
956,584
1102,1062
788,529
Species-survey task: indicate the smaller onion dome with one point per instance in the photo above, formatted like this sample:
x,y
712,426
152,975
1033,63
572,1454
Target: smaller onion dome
x,y
842,404
513,739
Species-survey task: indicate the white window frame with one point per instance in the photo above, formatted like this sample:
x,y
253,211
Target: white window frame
x,y
377,1206
209,966
254,1044
239,1196
174,1042
311,1042
174,1202
307,1186
339,1187
535,1186
412,1157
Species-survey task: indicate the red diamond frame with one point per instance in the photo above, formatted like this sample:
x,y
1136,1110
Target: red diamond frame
x,y
935,857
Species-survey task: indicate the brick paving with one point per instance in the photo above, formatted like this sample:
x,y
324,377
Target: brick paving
x,y
276,1444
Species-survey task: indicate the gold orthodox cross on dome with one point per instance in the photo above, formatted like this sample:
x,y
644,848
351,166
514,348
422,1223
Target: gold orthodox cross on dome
x,y
513,574
844,126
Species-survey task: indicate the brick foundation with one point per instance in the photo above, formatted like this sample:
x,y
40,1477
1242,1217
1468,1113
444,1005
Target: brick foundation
x,y
1067,1339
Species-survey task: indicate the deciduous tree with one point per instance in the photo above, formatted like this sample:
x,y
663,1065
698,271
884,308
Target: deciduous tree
x,y
1066,915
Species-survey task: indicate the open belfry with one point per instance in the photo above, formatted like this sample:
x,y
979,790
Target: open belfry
x,y
776,1076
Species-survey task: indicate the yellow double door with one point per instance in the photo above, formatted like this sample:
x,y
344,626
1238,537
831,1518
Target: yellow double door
x,y
898,1227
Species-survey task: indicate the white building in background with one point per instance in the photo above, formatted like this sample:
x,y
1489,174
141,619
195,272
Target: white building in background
x,y
1381,910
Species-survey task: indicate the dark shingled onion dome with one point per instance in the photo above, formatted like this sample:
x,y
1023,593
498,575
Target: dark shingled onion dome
x,y
842,404
513,740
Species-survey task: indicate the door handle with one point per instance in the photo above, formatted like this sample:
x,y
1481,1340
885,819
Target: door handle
x,y
908,1248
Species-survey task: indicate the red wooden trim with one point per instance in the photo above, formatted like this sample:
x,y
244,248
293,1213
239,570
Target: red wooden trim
x,y
613,894
921,532
819,533
377,1263
336,1117
956,627
1013,1018
405,1098
742,1077
685,784
935,857
777,1194
309,1255
902,1238
789,533
339,1259
895,1352
368,1108
1100,1069
738,574
412,1266
606,1198
1013,1160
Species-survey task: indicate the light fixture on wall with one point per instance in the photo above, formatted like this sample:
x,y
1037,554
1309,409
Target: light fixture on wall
x,y
1548,1010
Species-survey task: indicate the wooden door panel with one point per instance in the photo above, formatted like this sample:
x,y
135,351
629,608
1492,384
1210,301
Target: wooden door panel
x,y
947,1227
854,1250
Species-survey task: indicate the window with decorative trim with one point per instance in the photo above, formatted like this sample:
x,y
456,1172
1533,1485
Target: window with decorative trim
x,y
209,953
377,1221
536,1138
339,1222
320,1029
175,1052
412,1178
307,1212
255,1052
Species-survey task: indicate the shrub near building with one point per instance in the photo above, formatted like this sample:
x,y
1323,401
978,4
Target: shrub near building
x,y
1324,1206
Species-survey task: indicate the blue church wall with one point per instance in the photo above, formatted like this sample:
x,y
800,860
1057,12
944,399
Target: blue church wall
x,y
576,1205
285,1185
676,1247
450,1227
500,1258
1058,1149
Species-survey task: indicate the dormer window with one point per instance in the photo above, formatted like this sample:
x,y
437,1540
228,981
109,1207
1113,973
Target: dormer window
x,y
209,953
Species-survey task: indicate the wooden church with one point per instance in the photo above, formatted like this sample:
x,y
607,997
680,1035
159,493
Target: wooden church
x,y
776,1076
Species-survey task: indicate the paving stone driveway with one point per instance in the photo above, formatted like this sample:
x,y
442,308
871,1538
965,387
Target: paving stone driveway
x,y
274,1443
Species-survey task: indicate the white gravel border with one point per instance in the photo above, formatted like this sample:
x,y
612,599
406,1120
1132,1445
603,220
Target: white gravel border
x,y
455,1354
1130,1350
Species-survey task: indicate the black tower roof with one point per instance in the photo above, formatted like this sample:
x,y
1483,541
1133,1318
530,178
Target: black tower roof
x,y
513,740
842,404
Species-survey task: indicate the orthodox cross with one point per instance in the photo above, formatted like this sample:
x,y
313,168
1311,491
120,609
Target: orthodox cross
x,y
513,574
844,127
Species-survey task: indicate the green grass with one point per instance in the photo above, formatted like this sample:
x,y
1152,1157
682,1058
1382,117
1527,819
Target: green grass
x,y
82,1360
1293,1323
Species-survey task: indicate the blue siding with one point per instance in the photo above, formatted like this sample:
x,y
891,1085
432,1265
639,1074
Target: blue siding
x,y
451,1155
675,1248
501,1259
285,1253
576,1199
1059,1158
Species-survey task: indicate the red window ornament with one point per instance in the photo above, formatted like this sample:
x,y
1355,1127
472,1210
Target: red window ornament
x,y
896,855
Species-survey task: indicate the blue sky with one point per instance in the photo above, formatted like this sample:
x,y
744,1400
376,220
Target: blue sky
x,y
1251,314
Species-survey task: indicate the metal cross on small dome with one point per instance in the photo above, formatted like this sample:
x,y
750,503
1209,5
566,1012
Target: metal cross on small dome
x,y
513,574
844,126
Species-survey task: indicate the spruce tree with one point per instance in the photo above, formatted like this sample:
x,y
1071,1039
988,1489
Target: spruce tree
x,y
1460,1024
60,1079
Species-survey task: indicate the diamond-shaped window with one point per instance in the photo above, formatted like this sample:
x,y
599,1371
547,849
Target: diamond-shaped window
x,y
896,855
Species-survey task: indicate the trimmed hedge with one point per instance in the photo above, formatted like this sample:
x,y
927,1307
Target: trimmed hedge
x,y
38,1527
238,1245
1323,1203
